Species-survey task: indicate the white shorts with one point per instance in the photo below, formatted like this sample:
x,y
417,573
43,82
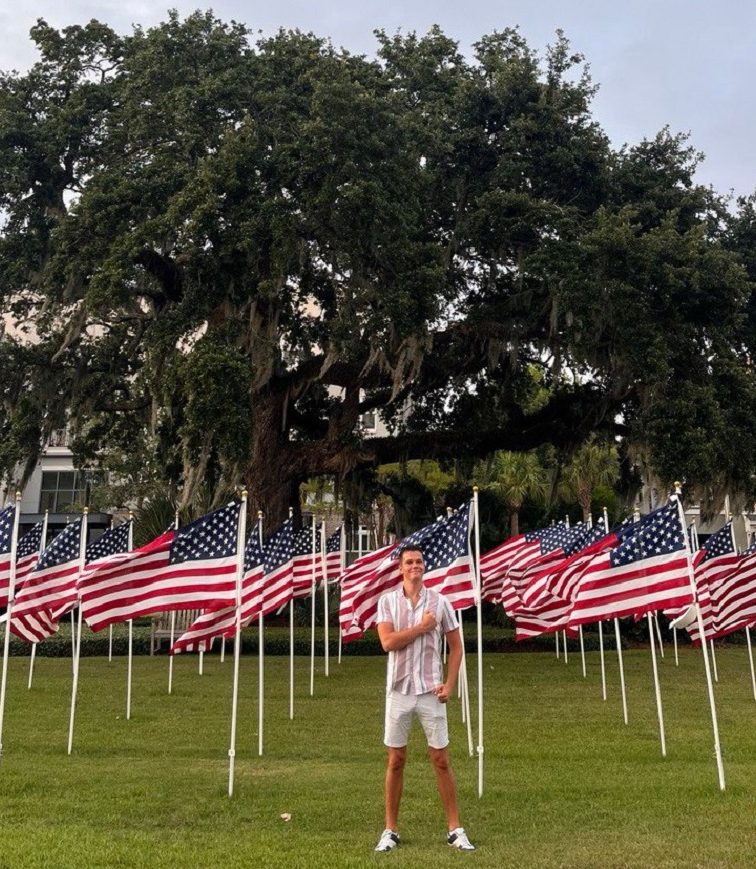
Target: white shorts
x,y
402,708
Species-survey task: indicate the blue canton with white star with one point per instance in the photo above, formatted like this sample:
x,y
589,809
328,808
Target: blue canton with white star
x,y
303,541
66,547
719,543
586,537
6,529
211,536
31,541
443,541
253,554
662,535
111,542
333,543
279,547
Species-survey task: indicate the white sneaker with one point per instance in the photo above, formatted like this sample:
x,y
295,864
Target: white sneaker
x,y
388,841
458,839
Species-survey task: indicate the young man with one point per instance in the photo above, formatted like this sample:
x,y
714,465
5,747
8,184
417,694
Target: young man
x,y
412,622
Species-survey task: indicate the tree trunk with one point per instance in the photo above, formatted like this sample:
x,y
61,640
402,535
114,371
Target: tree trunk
x,y
272,484
514,523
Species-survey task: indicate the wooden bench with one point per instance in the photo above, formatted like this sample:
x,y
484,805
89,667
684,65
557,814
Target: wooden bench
x,y
161,626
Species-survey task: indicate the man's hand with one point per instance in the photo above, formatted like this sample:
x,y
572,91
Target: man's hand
x,y
428,622
442,693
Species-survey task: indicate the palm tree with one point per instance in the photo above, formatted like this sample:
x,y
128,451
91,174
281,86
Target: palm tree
x,y
593,465
515,477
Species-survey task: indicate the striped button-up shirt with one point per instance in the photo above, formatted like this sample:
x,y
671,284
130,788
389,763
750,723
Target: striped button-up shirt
x,y
416,669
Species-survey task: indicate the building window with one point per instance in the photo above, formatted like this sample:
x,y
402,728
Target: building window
x,y
367,420
58,438
61,489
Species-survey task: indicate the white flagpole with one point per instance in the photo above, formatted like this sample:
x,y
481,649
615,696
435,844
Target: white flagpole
x,y
464,691
324,577
582,649
42,544
704,645
73,641
9,611
658,635
313,602
564,643
619,646
603,660
713,660
110,627
77,653
674,641
750,658
621,669
201,662
173,625
556,641
223,650
479,602
129,668
342,555
291,648
240,542
291,659
657,689
580,627
261,658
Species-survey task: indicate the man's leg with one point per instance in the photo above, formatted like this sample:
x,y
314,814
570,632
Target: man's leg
x,y
397,757
447,787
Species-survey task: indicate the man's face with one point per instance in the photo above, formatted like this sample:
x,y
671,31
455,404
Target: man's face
x,y
412,565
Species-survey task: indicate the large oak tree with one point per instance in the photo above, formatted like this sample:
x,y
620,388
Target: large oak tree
x,y
230,251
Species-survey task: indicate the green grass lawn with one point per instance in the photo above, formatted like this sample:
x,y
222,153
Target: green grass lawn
x,y
567,783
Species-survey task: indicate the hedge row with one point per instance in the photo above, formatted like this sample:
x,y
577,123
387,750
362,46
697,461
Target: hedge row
x,y
277,642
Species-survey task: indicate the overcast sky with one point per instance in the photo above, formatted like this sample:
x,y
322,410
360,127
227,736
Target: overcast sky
x,y
686,63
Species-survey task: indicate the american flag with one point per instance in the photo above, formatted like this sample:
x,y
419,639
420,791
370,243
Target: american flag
x,y
554,545
113,541
646,571
201,634
494,565
352,581
306,566
51,585
714,561
333,556
558,579
535,609
448,566
192,568
7,518
734,596
502,567
725,587
278,581
31,627
29,549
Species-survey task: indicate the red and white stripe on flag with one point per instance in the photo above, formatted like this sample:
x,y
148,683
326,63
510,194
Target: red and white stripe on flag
x,y
494,565
734,598
354,579
144,581
606,591
52,583
211,625
33,627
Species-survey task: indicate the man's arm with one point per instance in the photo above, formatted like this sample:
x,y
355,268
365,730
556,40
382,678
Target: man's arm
x,y
454,659
393,641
